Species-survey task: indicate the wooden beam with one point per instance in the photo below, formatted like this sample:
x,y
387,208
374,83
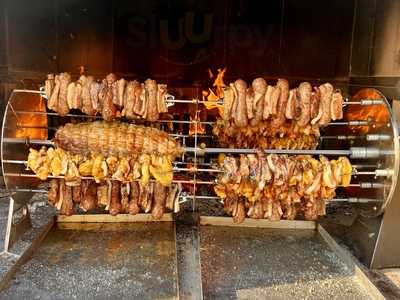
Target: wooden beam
x,y
352,263
261,223
107,218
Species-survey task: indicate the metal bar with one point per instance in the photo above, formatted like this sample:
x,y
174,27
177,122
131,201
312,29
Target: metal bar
x,y
9,224
27,141
270,151
368,137
376,172
194,170
350,199
344,123
92,178
27,91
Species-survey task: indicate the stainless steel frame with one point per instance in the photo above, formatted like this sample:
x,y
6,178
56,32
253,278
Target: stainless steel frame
x,y
376,152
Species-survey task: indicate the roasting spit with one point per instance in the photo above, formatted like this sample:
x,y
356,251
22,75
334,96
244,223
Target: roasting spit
x,y
371,144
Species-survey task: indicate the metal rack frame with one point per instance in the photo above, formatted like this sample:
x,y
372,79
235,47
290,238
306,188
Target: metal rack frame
x,y
195,169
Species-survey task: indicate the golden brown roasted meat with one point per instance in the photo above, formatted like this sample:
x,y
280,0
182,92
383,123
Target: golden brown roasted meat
x,y
259,86
67,206
52,102
134,198
161,102
53,192
76,193
241,108
89,199
125,190
94,96
151,94
121,84
62,107
326,90
267,111
130,100
304,93
115,203
49,86
295,184
315,112
159,199
290,110
249,103
108,109
279,118
240,215
109,138
337,105
87,104
103,197
229,99
140,101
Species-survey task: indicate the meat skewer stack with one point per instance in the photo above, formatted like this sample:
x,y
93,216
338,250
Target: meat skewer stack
x,y
111,97
266,116
107,150
280,186
115,197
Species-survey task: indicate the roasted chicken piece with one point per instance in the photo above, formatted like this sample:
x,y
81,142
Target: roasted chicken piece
x,y
267,111
161,101
95,88
279,118
159,199
161,169
337,105
108,109
115,202
326,90
87,104
103,197
304,95
53,192
259,86
49,86
52,102
151,94
229,100
89,199
125,190
240,117
77,193
130,100
62,106
295,184
290,110
134,198
67,206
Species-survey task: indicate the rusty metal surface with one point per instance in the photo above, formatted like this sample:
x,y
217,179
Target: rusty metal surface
x,y
120,261
246,263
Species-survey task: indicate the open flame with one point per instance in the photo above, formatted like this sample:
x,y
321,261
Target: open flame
x,y
212,95
33,126
201,129
376,113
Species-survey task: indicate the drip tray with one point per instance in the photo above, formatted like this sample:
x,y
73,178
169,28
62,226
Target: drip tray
x,y
265,263
101,261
